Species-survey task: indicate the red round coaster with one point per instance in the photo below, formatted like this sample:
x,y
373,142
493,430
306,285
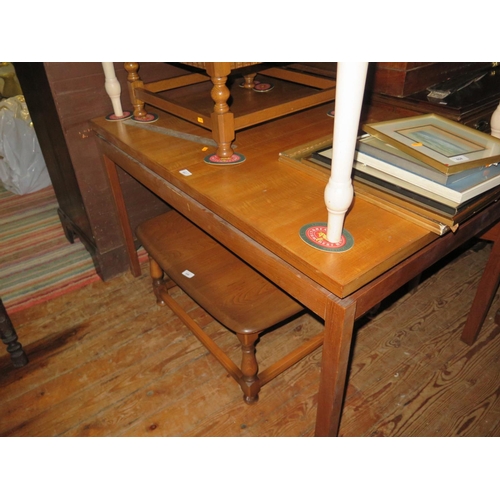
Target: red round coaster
x,y
148,118
113,118
234,159
314,234
263,87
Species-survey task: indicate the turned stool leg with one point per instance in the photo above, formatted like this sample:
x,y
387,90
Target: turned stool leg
x,y
9,338
249,367
158,279
134,81
113,88
249,81
156,273
222,118
339,192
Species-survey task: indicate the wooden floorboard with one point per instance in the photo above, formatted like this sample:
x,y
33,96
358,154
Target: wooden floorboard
x,y
107,361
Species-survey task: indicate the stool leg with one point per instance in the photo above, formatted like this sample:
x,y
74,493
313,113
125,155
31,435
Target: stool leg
x,y
159,282
9,338
222,118
250,381
134,81
249,81
156,273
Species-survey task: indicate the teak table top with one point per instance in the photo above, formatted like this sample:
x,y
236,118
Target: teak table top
x,y
270,201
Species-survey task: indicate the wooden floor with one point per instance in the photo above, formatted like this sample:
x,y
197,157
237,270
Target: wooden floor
x,y
107,361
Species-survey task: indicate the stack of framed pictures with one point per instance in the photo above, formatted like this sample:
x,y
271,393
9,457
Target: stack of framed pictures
x,y
426,165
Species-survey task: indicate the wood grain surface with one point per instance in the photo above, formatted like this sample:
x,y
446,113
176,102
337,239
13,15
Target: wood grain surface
x,y
107,361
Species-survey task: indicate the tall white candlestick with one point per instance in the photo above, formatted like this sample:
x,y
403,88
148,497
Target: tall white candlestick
x,y
495,123
350,86
113,88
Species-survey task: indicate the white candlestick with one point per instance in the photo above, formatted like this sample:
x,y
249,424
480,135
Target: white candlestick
x,y
113,88
348,101
495,122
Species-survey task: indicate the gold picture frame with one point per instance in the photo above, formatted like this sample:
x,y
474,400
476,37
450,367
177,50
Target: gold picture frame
x,y
301,158
443,144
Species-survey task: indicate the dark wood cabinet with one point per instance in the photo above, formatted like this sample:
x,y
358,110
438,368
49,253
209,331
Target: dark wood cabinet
x,y
401,79
472,105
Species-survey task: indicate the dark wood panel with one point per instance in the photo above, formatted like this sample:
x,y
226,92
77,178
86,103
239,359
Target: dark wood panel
x,y
62,97
473,105
36,90
403,79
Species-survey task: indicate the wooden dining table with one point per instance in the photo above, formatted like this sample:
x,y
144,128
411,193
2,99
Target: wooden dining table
x,y
258,209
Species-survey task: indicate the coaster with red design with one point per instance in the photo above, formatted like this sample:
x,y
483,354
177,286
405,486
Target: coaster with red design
x,y
234,159
263,87
114,118
147,118
314,234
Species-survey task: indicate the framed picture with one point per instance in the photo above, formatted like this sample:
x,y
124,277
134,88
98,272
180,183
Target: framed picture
x,y
441,143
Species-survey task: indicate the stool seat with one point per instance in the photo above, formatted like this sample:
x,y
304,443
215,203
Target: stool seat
x,y
231,291
221,283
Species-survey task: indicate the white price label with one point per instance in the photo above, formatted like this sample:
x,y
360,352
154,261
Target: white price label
x,y
459,158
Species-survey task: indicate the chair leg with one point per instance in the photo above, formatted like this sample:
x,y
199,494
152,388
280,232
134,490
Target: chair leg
x,y
9,338
250,384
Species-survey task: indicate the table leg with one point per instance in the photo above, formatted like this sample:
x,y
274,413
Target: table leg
x,y
486,289
339,324
121,208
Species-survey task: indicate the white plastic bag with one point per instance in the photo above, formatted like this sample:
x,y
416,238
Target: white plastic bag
x,y
22,167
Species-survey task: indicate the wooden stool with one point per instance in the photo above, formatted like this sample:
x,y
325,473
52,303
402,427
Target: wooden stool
x,y
227,288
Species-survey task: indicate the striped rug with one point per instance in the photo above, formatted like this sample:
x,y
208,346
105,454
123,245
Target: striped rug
x,y
37,262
